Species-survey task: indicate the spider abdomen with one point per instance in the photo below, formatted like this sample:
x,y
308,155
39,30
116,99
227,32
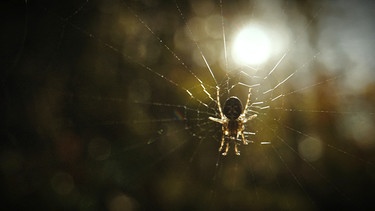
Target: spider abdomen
x,y
232,108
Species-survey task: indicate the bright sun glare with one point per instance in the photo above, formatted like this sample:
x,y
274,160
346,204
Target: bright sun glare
x,y
251,46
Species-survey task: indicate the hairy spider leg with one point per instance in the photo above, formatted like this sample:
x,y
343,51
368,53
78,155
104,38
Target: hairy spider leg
x,y
224,123
223,120
243,115
244,119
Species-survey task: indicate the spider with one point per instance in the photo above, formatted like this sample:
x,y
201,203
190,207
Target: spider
x,y
233,121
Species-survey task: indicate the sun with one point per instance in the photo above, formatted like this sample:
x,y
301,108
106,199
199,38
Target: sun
x,y
251,46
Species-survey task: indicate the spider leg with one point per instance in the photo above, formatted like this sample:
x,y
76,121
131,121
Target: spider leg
x,y
244,141
243,115
240,133
250,118
218,102
222,143
226,149
216,120
236,149
247,101
222,117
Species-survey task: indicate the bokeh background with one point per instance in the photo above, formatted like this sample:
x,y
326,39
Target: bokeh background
x,y
90,123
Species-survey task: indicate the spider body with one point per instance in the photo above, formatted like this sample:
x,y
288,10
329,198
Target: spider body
x,y
233,120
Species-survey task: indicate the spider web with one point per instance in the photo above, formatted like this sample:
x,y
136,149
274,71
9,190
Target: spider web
x,y
119,94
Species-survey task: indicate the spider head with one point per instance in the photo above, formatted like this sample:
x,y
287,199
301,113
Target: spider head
x,y
232,108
